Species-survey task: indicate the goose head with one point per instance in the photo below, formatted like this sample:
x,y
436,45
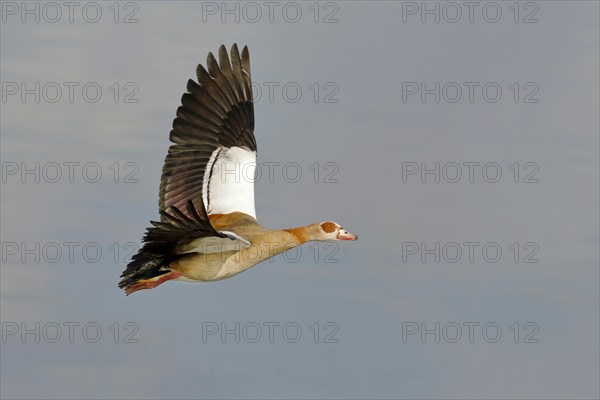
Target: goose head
x,y
323,231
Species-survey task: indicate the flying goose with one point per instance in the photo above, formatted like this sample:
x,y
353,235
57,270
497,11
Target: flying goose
x,y
208,229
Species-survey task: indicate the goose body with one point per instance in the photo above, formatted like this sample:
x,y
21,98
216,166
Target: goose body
x,y
208,229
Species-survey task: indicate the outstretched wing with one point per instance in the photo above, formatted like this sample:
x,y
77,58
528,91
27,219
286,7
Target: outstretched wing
x,y
214,156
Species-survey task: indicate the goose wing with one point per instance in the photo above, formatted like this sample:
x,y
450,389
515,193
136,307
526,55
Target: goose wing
x,y
213,158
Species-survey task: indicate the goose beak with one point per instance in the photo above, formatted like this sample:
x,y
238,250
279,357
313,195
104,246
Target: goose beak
x,y
345,235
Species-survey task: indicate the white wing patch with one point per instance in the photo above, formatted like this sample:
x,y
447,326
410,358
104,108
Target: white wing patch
x,y
207,172
230,187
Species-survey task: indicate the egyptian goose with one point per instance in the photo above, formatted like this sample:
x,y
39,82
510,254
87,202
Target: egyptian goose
x,y
208,229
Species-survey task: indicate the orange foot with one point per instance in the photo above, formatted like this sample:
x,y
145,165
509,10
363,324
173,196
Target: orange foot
x,y
151,283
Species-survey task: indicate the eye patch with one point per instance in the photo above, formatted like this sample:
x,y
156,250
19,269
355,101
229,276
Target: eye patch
x,y
328,227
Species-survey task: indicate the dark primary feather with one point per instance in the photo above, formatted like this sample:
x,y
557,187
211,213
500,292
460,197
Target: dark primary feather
x,y
216,112
161,241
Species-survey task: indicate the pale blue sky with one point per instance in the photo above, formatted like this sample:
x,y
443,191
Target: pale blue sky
x,y
368,134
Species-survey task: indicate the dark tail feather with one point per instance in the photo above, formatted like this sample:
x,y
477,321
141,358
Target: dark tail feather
x,y
144,266
161,240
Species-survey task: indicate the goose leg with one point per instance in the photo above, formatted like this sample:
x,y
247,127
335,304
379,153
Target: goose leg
x,y
152,282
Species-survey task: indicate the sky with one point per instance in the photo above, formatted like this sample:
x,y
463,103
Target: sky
x,y
460,143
